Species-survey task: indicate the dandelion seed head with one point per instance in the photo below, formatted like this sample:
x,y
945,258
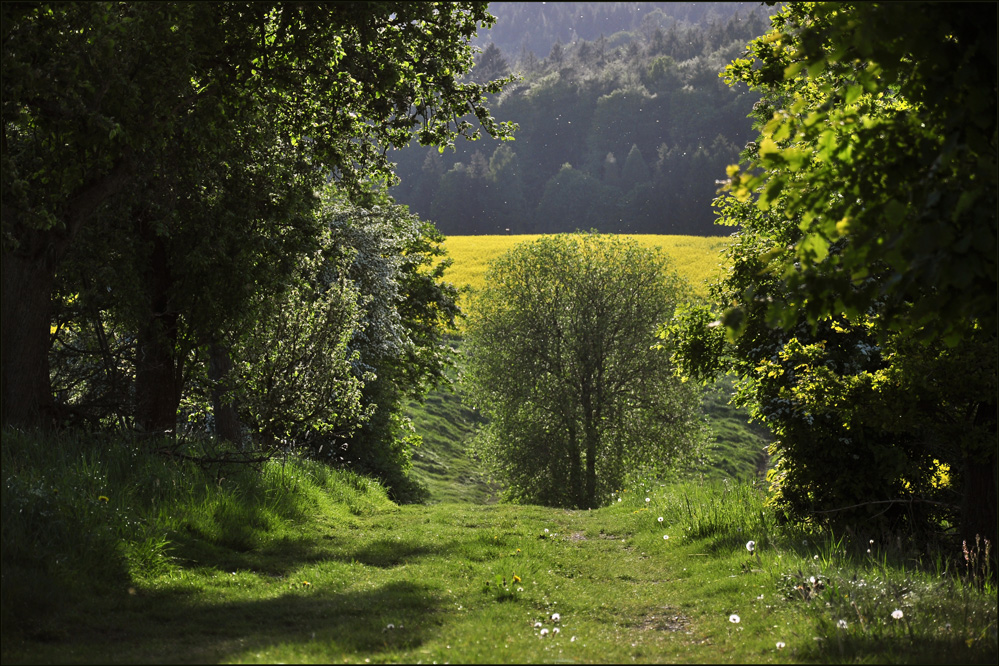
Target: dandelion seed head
x,y
647,499
660,519
666,537
556,630
734,619
544,632
556,617
537,625
390,626
780,645
841,624
897,614
751,546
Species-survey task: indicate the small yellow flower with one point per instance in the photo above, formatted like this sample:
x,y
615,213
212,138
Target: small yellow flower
x,y
306,583
516,578
103,498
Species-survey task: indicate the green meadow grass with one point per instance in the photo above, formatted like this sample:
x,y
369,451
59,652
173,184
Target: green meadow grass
x,y
295,563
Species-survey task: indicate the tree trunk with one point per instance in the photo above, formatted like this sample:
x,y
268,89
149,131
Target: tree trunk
x,y
591,470
590,436
24,346
26,309
223,407
981,495
157,370
575,469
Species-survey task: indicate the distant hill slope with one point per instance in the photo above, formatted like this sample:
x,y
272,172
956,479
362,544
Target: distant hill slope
x,y
624,123
535,26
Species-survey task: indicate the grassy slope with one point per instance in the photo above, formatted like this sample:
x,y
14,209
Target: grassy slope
x,y
442,463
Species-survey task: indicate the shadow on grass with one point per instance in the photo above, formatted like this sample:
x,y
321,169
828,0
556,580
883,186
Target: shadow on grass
x,y
900,650
170,628
288,555
387,553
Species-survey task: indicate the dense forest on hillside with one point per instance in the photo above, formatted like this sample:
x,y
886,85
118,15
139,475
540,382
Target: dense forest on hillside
x,y
625,125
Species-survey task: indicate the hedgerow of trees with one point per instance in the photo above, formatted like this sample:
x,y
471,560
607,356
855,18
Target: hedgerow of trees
x,y
175,231
860,310
627,132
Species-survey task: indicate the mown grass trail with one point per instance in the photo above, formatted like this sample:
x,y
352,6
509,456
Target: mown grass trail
x,y
427,584
461,583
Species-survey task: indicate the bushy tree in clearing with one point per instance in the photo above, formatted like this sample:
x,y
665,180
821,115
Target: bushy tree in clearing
x,y
559,361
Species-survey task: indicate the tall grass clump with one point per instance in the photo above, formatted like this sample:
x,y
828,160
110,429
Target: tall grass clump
x,y
718,512
92,514
68,519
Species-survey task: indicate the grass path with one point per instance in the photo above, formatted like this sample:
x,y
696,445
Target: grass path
x,y
410,585
462,583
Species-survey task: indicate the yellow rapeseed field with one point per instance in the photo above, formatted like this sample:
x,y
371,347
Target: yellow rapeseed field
x,y
696,258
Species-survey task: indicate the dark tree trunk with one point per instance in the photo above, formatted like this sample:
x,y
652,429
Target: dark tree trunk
x,y
26,310
591,472
981,476
575,469
157,369
24,345
591,437
223,407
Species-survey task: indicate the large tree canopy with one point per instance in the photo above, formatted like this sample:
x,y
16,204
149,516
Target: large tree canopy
x,y
860,304
189,138
880,141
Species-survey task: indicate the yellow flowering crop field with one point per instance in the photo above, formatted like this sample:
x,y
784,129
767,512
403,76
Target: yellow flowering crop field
x,y
696,258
